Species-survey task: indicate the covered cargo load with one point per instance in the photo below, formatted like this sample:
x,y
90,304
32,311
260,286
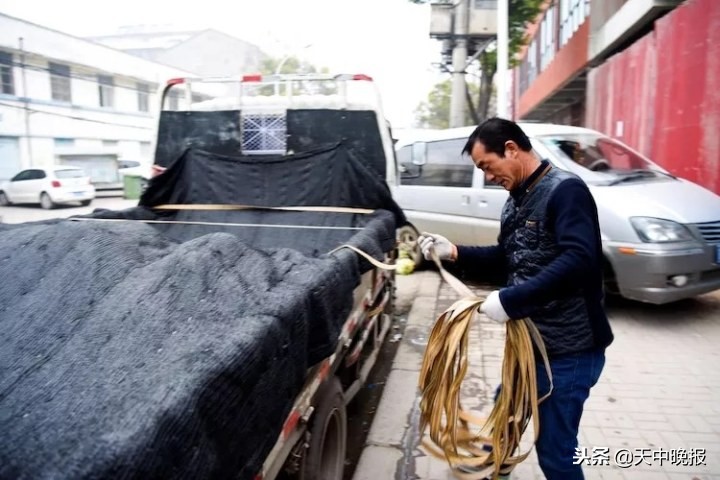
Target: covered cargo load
x,y
171,343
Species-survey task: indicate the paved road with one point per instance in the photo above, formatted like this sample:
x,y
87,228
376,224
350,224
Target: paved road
x,y
658,401
32,213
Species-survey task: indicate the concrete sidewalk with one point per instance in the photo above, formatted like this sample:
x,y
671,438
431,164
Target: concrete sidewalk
x,y
628,411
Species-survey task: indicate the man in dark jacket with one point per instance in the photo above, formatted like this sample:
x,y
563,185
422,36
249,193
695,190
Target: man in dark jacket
x,y
549,249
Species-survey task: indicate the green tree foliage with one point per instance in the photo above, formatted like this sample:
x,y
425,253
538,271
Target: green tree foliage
x,y
289,65
292,65
435,111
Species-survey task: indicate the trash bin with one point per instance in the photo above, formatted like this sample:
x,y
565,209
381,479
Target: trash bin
x,y
132,186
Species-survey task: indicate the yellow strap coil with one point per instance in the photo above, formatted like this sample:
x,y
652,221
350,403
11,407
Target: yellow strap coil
x,y
456,435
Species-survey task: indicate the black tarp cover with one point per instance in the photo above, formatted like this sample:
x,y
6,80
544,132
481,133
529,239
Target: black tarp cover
x,y
169,350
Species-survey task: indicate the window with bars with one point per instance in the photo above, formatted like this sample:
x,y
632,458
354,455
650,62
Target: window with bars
x,y
548,38
143,91
264,133
106,88
7,82
529,67
572,14
532,56
60,86
560,22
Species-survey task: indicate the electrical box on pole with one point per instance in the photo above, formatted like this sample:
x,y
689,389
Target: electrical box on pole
x,y
481,25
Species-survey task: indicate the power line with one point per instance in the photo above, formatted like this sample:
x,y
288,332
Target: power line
x,y
74,118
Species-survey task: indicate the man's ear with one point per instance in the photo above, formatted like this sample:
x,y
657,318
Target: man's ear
x,y
511,149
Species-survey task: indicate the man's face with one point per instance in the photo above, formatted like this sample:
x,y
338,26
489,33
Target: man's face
x,y
505,171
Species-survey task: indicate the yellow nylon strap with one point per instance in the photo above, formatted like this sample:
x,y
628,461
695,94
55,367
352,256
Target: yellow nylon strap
x,y
376,263
456,435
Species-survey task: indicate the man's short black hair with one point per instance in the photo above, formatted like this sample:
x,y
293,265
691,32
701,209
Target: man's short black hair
x,y
494,132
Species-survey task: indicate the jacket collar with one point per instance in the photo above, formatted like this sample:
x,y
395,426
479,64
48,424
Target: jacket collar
x,y
530,182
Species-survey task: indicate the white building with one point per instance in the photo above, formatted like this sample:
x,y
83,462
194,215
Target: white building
x,y
65,100
205,52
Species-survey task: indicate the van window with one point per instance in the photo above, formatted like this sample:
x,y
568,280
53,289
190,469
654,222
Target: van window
x,y
596,152
445,165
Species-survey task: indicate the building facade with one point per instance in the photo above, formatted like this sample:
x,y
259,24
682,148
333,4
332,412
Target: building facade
x,y
65,100
569,38
643,71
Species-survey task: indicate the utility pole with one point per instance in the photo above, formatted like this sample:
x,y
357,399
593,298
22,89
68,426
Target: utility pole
x,y
503,41
460,36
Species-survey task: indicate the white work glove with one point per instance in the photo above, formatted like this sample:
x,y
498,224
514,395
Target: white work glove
x,y
493,308
443,248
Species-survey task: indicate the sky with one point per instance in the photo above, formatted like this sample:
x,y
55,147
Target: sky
x,y
386,39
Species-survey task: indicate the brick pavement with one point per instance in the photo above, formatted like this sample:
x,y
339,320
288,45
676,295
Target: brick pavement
x,y
659,393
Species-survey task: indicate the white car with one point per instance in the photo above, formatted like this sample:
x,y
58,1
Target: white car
x,y
48,187
660,233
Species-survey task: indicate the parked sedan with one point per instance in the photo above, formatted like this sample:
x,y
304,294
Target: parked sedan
x,y
660,233
48,187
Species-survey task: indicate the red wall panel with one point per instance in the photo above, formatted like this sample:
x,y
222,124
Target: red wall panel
x,y
662,95
687,97
619,94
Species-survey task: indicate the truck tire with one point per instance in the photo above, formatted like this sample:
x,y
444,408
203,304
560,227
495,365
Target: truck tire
x,y
325,457
408,235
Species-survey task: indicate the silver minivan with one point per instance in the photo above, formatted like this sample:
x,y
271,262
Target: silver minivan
x,y
660,233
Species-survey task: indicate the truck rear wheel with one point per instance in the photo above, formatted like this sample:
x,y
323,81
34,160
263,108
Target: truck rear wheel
x,y
407,237
325,457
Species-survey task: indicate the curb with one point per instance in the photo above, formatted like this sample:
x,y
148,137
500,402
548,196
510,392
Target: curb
x,y
390,450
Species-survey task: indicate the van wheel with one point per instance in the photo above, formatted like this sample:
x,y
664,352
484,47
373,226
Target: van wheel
x,y
325,457
4,200
46,202
407,237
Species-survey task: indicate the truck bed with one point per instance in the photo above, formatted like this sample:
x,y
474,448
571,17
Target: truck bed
x,y
172,344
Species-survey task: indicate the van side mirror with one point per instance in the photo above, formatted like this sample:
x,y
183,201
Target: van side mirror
x,y
419,153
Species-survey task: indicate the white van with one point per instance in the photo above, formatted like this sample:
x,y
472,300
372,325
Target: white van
x,y
660,233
